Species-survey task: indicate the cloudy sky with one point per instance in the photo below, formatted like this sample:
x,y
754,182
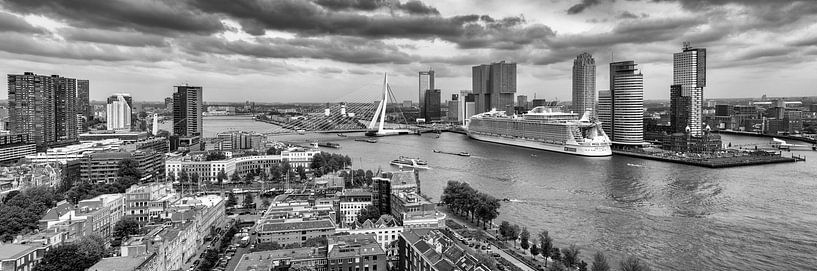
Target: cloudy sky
x,y
333,50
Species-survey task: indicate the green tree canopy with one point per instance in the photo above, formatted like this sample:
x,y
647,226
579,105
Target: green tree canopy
x,y
600,262
368,212
125,227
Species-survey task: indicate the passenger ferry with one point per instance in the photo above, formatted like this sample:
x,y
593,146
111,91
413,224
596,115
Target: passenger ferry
x,y
544,128
410,162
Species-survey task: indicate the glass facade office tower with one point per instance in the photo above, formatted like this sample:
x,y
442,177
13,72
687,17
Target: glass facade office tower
x,y
187,109
426,82
626,101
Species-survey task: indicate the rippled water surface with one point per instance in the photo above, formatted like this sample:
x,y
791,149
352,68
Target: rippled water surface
x,y
675,217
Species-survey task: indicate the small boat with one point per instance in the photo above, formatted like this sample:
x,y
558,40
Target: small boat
x,y
341,135
464,154
329,145
370,140
533,155
506,199
436,151
409,162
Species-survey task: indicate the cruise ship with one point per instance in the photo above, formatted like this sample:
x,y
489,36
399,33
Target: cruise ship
x,y
544,128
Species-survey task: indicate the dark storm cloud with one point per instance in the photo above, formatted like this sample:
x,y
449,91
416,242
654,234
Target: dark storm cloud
x,y
124,38
631,31
309,19
627,15
342,49
146,16
582,5
26,45
411,7
13,23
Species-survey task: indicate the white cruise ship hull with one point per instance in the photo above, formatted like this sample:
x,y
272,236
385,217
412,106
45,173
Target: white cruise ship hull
x,y
562,148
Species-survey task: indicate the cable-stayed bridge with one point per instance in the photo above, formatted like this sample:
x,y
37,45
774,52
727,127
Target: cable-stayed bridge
x,y
377,113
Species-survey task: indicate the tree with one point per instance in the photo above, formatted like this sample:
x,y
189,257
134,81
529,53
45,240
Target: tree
x,y
319,241
368,212
248,200
514,234
77,256
125,227
505,229
555,254
265,203
231,201
267,246
220,177
163,133
571,256
545,245
524,237
215,156
235,178
582,266
301,172
534,250
129,168
600,262
632,264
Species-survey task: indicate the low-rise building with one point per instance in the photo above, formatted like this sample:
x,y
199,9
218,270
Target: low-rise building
x,y
208,212
355,252
385,229
433,250
392,182
208,170
146,201
292,231
20,257
307,258
15,146
65,154
104,166
174,244
414,211
148,262
350,203
95,216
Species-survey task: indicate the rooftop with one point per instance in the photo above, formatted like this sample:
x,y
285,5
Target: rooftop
x,y
119,263
298,225
263,260
14,251
342,246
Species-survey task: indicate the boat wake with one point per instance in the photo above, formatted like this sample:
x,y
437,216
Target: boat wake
x,y
634,165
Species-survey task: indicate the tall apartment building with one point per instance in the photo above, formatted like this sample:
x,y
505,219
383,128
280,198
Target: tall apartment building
x,y
466,106
84,99
119,108
494,86
44,107
584,84
426,82
187,110
686,92
626,100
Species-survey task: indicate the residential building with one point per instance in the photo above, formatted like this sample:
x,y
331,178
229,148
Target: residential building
x,y
453,109
584,84
355,252
43,107
626,96
414,211
467,106
350,203
187,111
386,230
174,244
113,207
307,258
15,146
144,202
239,140
146,262
686,92
494,86
96,216
426,82
392,182
20,257
435,250
207,212
119,112
292,231
84,99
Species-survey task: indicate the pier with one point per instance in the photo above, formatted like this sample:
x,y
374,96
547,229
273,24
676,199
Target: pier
x,y
713,162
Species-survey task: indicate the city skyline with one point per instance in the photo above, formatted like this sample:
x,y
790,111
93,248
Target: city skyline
x,y
219,44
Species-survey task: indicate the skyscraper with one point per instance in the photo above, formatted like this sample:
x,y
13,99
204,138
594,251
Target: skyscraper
x,y
584,84
119,109
187,109
431,109
43,107
604,110
426,82
626,100
84,99
686,92
494,86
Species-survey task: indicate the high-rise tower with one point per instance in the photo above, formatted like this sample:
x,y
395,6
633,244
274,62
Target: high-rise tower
x,y
494,86
426,82
626,100
187,109
584,84
43,107
119,110
686,91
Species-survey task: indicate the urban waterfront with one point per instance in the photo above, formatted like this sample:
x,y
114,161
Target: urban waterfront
x,y
676,217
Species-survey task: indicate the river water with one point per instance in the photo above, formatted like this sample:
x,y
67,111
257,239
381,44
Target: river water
x,y
673,216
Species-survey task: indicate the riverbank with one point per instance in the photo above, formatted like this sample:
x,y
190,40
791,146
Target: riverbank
x,y
711,162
